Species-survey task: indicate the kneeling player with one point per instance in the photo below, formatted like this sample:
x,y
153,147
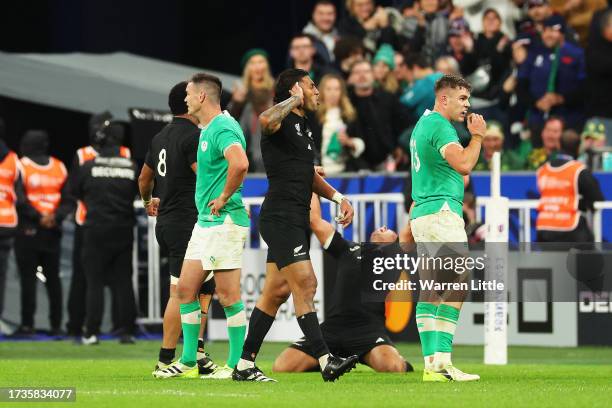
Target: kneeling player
x,y
352,327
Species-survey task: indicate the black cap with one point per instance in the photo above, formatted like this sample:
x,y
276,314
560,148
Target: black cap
x,y
555,22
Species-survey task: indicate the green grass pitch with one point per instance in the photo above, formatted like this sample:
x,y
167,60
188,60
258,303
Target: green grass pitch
x,y
110,375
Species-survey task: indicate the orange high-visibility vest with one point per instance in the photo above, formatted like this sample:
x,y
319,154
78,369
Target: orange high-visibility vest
x,y
43,183
558,207
9,171
86,154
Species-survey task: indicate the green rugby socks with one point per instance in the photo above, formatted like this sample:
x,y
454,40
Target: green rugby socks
x,y
425,320
236,330
445,324
190,321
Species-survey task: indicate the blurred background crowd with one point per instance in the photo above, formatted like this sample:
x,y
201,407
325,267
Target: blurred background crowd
x,y
538,68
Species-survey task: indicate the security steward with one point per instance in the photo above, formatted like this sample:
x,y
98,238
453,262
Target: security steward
x,y
108,185
78,285
567,191
37,243
11,195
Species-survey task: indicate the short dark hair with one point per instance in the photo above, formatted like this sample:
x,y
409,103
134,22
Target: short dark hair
x,y
302,35
452,81
285,82
211,82
417,59
570,142
176,98
347,46
324,3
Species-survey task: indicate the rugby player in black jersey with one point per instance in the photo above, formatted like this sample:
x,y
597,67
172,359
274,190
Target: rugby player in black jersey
x,y
351,326
288,152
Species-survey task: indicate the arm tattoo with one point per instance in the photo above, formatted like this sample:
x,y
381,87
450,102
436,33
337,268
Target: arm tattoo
x,y
272,117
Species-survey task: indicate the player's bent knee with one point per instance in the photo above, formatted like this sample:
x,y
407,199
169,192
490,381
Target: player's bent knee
x,y
293,361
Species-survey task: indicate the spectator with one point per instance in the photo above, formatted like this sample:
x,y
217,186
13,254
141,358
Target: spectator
x,y
578,14
340,143
492,53
551,143
508,100
599,71
560,213
380,118
302,56
250,97
551,79
368,23
492,142
348,50
322,28
421,96
593,138
426,27
403,75
461,46
474,10
447,65
384,64
538,11
256,77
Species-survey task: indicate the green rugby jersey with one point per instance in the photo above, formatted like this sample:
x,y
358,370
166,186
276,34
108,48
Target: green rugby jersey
x,y
222,132
435,184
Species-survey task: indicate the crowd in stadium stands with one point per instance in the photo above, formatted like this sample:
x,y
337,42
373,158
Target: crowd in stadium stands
x,y
537,67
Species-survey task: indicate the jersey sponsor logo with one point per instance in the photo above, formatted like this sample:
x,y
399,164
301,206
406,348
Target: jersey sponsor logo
x,y
113,172
204,146
297,249
380,340
353,249
298,130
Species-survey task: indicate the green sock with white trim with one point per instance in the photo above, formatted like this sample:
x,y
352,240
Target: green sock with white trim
x,y
425,320
445,324
190,321
236,330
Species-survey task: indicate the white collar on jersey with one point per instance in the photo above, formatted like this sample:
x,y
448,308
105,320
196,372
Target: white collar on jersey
x,y
226,113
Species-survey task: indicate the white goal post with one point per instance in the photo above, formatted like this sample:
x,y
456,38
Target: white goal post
x,y
496,303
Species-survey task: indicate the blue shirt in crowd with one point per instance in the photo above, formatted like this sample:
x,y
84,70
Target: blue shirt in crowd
x,y
570,75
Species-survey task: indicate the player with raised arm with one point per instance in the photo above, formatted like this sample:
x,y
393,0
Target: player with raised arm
x,y
219,235
439,163
288,152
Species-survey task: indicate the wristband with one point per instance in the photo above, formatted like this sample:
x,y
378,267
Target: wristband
x,y
338,197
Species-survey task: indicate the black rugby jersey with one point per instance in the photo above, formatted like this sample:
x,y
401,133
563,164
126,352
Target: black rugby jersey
x,y
288,156
345,305
172,152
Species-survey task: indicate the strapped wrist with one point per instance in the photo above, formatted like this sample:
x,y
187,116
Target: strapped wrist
x,y
338,197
